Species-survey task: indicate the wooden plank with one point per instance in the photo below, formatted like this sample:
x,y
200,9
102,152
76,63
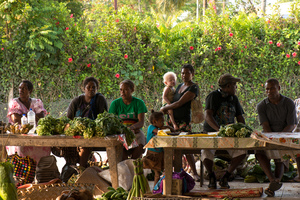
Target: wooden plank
x,y
168,169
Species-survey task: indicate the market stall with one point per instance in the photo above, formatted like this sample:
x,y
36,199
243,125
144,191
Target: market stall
x,y
176,145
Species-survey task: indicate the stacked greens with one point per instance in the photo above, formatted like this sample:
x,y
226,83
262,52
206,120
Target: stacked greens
x,y
51,126
235,130
7,184
106,124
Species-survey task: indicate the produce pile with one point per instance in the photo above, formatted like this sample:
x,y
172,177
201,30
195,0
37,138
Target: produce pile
x,y
104,125
16,129
7,184
112,193
235,130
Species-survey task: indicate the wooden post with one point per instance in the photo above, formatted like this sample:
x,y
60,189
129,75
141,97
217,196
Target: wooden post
x,y
263,7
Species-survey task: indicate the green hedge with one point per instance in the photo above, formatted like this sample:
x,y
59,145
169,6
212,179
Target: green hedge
x,y
142,47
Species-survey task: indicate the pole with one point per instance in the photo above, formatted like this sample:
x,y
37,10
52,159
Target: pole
x,y
263,7
204,7
116,5
197,11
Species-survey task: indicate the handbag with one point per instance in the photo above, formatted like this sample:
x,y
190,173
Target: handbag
x,y
24,168
46,169
197,115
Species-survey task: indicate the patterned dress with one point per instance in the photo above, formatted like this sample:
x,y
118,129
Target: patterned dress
x,y
17,107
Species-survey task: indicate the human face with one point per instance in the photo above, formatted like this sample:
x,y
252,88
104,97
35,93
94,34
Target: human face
x,y
230,88
125,92
23,91
170,81
159,123
90,89
186,75
272,90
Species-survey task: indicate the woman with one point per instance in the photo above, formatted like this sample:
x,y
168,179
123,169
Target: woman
x,y
132,111
89,104
18,107
181,106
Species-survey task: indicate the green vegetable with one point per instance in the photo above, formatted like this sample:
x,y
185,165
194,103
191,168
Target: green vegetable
x,y
8,189
235,130
82,126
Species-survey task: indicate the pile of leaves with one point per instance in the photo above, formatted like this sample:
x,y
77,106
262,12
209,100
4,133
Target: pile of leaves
x,y
235,130
51,126
104,125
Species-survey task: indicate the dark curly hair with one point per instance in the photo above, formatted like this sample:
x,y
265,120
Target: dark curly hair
x,y
155,116
189,67
89,79
129,83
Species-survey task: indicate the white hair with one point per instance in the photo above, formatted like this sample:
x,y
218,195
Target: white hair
x,y
169,74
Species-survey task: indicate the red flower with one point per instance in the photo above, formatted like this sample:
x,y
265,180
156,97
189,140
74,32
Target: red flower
x,y
219,48
125,56
214,7
245,47
71,16
2,48
262,85
70,60
135,28
299,43
269,21
86,47
294,54
192,29
89,65
230,34
117,20
242,51
270,42
191,48
216,49
75,24
288,55
298,62
67,28
212,86
157,25
278,44
117,75
57,23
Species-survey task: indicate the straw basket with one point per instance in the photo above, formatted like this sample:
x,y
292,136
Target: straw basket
x,y
50,192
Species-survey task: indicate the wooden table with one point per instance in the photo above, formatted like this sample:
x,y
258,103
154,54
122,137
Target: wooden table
x,y
174,146
112,144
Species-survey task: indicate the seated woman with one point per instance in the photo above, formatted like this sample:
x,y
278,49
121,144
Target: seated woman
x,y
19,106
89,104
132,111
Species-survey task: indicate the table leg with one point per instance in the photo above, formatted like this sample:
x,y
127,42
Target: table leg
x,y
113,154
177,160
168,169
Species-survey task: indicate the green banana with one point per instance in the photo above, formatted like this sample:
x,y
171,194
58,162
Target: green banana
x,y
111,188
108,194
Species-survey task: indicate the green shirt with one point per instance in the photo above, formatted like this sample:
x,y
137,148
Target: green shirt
x,y
131,111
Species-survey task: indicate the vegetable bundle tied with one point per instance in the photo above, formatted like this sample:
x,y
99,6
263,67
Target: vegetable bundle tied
x,y
235,130
140,184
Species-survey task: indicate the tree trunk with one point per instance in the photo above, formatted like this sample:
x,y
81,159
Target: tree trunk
x,y
204,7
116,5
139,3
263,7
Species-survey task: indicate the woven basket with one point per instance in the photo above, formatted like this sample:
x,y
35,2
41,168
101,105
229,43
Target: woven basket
x,y
50,192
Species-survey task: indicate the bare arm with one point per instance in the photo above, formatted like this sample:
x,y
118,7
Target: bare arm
x,y
16,118
289,128
169,127
137,126
188,96
266,127
210,119
167,90
240,119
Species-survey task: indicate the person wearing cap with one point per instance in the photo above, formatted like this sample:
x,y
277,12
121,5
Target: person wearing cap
x,y
222,108
276,113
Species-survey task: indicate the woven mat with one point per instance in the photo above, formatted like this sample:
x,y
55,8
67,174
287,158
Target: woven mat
x,y
50,192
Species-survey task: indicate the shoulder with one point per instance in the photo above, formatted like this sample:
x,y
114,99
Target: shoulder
x,y
36,101
213,94
261,104
288,100
100,97
116,101
135,99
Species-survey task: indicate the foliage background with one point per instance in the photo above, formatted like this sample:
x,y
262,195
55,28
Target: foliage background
x,y
57,44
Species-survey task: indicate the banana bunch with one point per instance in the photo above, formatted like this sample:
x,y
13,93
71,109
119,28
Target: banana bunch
x,y
118,194
16,129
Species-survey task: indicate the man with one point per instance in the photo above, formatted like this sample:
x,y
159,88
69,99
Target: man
x,y
276,113
222,108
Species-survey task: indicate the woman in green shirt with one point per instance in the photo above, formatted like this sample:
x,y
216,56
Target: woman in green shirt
x,y
132,111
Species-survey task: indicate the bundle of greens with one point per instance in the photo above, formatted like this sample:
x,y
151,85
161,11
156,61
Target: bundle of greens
x,y
51,126
82,126
110,124
235,130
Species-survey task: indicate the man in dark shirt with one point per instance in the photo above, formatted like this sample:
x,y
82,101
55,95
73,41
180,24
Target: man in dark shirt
x,y
276,113
222,108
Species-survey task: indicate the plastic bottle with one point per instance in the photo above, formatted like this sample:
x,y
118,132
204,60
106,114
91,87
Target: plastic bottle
x,y
31,120
24,120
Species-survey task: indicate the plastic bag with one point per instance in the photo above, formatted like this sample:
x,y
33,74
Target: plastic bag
x,y
122,138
